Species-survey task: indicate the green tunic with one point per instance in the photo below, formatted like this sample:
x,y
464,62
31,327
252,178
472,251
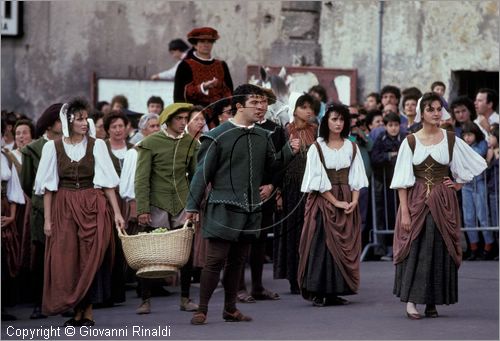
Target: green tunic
x,y
234,160
31,158
164,167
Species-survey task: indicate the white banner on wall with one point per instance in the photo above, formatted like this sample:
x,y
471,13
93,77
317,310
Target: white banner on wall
x,y
136,91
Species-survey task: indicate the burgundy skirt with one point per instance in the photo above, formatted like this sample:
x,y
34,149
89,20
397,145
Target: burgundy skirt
x,y
81,234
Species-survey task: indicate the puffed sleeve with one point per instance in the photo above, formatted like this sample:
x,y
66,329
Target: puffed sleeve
x,y
403,171
127,178
357,173
14,190
46,175
466,163
104,171
315,177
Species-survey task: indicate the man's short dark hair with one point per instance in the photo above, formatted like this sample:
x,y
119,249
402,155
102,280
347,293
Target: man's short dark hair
x,y
392,117
243,92
370,116
437,83
491,96
391,89
26,122
465,101
178,45
413,91
101,104
342,110
321,91
375,95
120,99
157,100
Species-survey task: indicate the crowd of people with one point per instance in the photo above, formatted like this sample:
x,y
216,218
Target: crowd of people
x,y
216,157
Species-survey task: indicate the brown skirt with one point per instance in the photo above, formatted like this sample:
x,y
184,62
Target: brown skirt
x,y
11,246
81,235
341,233
442,204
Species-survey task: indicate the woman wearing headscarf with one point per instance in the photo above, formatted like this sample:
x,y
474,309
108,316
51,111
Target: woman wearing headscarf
x,y
427,250
77,179
286,260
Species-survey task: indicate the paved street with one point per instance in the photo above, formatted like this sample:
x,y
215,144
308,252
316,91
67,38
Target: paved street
x,y
374,314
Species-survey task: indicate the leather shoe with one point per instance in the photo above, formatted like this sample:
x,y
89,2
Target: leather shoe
x,y
188,305
86,322
413,316
199,318
144,308
37,313
237,316
72,322
431,311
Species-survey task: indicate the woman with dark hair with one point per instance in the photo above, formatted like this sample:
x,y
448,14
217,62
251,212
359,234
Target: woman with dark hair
x,y
115,125
330,247
286,260
77,179
12,196
427,249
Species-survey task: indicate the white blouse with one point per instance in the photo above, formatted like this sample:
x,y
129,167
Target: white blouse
x,y
47,176
127,178
19,156
315,176
14,189
119,153
466,163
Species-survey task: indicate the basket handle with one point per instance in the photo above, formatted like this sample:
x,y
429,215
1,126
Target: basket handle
x,y
122,233
189,224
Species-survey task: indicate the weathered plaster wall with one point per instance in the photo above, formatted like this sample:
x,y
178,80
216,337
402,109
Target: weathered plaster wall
x,y
65,41
423,41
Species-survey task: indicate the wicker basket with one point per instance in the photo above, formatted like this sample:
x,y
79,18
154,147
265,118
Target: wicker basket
x,y
157,255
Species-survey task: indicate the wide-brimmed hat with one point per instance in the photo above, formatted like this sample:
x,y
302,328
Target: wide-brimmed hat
x,y
173,109
48,118
202,33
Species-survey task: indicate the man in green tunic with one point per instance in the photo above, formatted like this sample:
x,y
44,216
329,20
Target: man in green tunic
x,y
50,126
166,161
233,158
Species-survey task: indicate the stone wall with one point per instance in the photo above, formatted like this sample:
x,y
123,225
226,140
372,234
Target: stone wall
x,y
64,42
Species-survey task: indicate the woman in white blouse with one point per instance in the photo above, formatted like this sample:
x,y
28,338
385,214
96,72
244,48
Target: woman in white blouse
x,y
77,178
427,250
330,244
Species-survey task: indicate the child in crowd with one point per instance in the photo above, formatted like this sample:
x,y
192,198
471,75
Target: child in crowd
x,y
383,156
474,198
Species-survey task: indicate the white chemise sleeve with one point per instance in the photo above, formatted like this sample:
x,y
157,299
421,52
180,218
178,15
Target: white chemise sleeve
x,y
403,171
104,170
15,192
127,178
357,172
47,177
315,177
466,163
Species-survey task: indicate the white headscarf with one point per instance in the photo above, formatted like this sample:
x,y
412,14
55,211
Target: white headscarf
x,y
444,113
63,116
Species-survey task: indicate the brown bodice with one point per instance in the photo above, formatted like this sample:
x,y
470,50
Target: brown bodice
x,y
75,174
430,171
336,177
117,163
